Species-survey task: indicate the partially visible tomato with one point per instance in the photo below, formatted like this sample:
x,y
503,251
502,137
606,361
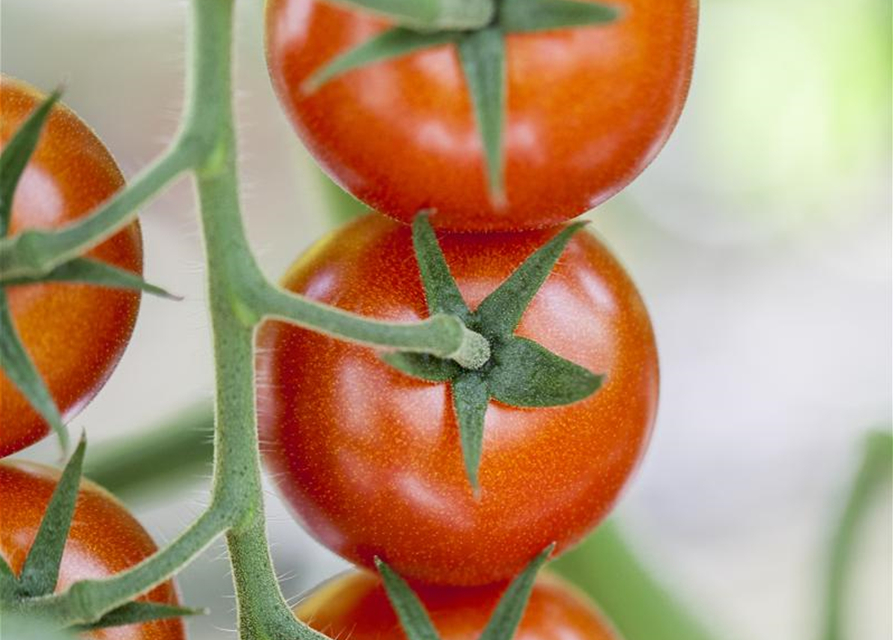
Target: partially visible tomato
x,y
587,110
356,606
370,459
104,540
74,333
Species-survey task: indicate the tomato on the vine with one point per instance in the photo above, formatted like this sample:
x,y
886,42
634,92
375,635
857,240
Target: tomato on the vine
x,y
369,458
104,540
356,606
74,333
587,110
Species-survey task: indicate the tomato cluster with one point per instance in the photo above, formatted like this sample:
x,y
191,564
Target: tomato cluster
x,y
369,457
372,452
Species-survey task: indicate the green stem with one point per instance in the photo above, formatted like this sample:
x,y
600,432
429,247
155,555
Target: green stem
x,y
86,601
262,610
430,15
34,253
874,472
606,567
444,336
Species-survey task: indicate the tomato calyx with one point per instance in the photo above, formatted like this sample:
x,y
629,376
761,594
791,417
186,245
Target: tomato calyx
x,y
483,60
40,571
503,622
519,372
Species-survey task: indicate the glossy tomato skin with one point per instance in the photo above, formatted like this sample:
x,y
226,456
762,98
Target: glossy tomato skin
x,y
369,458
356,606
588,109
74,333
104,540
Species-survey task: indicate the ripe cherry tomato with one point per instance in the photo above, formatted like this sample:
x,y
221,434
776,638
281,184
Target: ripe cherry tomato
x,y
75,333
587,110
370,458
355,606
104,540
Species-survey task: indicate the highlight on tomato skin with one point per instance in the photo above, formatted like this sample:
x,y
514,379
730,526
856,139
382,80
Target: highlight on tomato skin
x,y
75,333
587,110
104,540
356,606
369,459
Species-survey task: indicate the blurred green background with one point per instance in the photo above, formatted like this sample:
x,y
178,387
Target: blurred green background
x,y
760,238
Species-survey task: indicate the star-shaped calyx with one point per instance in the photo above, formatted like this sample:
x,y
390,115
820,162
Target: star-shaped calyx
x,y
520,372
483,58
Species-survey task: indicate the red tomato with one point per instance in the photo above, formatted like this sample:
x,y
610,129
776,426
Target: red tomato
x,y
104,540
588,109
370,458
355,606
75,333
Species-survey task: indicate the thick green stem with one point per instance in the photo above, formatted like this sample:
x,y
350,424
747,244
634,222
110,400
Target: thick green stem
x,y
262,610
430,15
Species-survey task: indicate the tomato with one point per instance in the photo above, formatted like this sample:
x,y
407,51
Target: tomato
x,y
356,606
370,459
587,110
104,540
75,333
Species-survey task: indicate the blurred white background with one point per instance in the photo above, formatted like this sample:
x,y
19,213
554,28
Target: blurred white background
x,y
760,238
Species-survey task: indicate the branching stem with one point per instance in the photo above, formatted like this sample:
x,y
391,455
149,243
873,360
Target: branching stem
x,y
240,299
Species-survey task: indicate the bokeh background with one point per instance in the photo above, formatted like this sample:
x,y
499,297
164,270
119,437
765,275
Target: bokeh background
x,y
760,238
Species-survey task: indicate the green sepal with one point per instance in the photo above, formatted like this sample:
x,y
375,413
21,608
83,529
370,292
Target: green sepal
x,y
8,582
520,372
423,366
482,54
136,612
41,569
20,369
470,400
508,613
441,291
388,45
503,623
16,154
414,619
527,16
87,271
430,15
526,374
501,311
